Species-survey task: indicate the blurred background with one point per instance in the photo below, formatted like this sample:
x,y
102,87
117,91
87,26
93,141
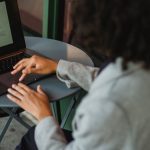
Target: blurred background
x,y
48,18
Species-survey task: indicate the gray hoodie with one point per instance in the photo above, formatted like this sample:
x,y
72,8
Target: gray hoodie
x,y
114,115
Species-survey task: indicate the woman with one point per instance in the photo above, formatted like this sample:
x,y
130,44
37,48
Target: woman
x,y
114,115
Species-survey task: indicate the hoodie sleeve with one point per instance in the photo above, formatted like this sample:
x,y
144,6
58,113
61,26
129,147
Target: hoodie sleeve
x,y
75,74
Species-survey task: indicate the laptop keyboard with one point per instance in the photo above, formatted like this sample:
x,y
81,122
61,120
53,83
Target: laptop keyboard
x,y
7,64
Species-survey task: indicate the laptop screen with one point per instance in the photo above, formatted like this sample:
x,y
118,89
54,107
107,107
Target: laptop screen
x,y
5,31
11,34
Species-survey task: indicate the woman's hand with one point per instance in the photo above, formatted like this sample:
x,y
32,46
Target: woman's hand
x,y
35,64
34,102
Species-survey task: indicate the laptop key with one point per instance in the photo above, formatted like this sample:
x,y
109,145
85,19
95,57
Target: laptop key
x,y
7,64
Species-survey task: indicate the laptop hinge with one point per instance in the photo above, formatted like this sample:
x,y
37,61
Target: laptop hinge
x,y
12,54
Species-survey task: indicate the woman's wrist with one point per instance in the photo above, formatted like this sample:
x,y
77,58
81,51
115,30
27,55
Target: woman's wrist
x,y
44,115
53,65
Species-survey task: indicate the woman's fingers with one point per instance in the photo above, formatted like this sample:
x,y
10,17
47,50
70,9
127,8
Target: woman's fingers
x,y
15,100
25,72
20,62
22,77
15,93
20,65
26,88
26,68
29,69
19,68
19,89
39,90
34,102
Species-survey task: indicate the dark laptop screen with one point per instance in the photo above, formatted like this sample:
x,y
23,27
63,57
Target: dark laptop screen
x,y
11,35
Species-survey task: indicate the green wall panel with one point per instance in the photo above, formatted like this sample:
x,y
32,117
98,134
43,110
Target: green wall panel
x,y
50,18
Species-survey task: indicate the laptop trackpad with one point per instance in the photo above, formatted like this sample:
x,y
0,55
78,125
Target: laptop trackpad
x,y
8,79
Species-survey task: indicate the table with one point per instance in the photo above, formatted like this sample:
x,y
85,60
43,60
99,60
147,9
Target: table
x,y
53,87
56,50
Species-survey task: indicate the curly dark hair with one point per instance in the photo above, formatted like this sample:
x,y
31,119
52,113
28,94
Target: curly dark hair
x,y
117,28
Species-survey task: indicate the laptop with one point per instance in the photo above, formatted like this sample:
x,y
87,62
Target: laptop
x,y
12,46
